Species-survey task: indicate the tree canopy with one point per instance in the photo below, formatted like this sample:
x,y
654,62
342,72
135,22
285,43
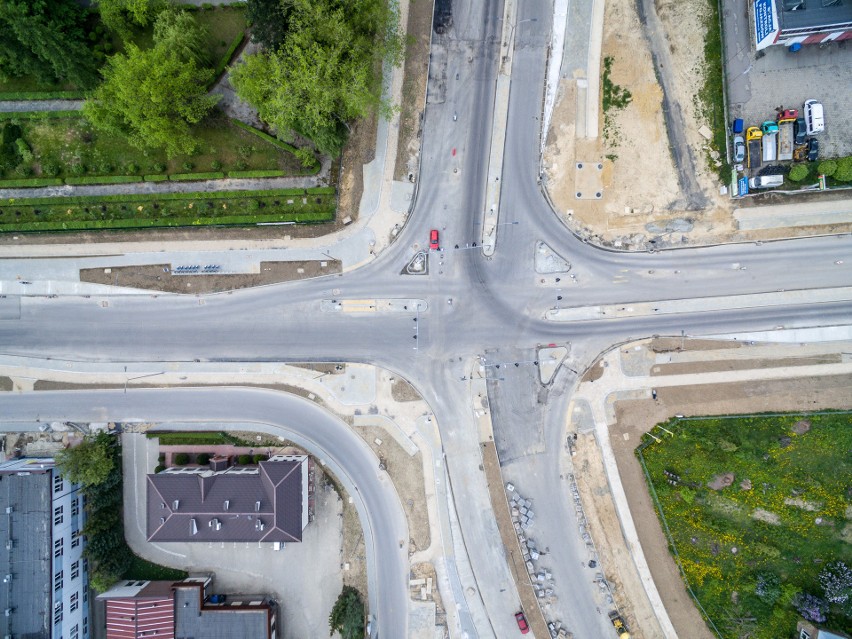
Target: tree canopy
x,y
153,96
326,71
90,462
347,616
45,39
269,20
123,15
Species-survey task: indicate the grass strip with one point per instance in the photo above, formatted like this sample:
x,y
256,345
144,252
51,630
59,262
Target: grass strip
x,y
183,177
150,197
26,183
103,179
192,439
16,96
711,95
38,115
144,570
261,173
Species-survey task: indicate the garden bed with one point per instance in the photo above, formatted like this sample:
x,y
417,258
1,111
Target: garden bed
x,y
146,210
755,508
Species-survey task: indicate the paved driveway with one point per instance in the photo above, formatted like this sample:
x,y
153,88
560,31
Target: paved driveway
x,y
759,82
304,578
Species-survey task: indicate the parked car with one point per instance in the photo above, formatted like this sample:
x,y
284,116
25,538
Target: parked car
x,y
434,245
787,115
739,149
813,149
814,117
737,125
769,127
766,181
522,623
800,130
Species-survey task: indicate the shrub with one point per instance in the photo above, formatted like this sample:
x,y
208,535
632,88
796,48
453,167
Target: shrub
x,y
844,170
798,172
24,170
181,459
103,179
29,183
260,173
132,168
241,165
158,167
155,178
768,587
188,166
202,459
177,177
827,168
810,607
24,150
260,458
77,168
160,468
49,168
836,582
243,460
216,165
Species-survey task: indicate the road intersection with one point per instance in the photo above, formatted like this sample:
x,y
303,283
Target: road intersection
x,y
479,310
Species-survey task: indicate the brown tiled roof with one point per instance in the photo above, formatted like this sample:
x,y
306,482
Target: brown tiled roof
x,y
266,506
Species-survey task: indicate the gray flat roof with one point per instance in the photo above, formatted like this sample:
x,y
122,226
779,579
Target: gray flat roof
x,y
225,622
814,14
28,560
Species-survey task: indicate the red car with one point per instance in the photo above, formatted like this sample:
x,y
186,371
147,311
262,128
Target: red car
x,y
522,623
788,115
434,245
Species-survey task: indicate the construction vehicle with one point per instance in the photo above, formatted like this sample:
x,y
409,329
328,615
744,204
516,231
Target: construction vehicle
x,y
785,140
753,155
619,625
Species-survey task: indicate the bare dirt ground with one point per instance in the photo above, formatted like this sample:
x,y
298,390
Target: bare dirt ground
x,y
402,391
159,277
636,417
415,75
426,570
406,473
642,199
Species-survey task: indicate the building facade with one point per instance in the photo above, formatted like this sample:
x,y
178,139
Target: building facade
x,y
45,589
792,22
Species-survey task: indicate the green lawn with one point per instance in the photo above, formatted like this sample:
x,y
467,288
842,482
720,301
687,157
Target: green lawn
x,y
147,210
70,146
144,570
784,514
192,439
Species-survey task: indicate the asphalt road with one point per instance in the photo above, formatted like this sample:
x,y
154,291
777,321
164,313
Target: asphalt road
x,y
497,310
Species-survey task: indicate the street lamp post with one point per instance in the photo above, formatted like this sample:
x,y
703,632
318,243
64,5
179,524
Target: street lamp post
x,y
130,379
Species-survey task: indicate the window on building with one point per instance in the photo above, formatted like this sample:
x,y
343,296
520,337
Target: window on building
x,y
75,538
58,517
75,507
75,632
74,603
57,613
57,581
75,569
57,547
57,483
85,596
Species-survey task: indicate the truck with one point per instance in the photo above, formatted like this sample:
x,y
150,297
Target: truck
x,y
753,155
619,625
785,140
770,143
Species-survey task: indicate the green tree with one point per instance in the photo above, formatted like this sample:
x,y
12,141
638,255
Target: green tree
x,y
90,462
153,96
324,75
798,172
269,20
179,32
827,167
347,616
122,16
844,169
46,39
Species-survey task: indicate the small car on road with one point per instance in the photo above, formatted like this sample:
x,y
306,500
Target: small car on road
x,y
739,149
813,149
522,623
800,130
434,244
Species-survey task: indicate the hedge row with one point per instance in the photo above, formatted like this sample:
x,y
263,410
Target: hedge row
x,y
41,95
182,177
155,178
103,179
148,197
133,223
269,138
220,68
260,173
37,115
30,183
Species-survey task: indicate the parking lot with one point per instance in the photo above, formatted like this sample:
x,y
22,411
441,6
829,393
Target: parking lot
x,y
759,83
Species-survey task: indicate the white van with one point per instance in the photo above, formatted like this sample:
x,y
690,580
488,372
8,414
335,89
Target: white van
x,y
814,118
766,181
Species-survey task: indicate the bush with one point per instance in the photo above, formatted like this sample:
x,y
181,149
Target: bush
x,y
24,170
348,615
132,168
158,167
155,178
181,459
216,165
188,166
202,459
26,183
798,172
103,179
260,173
160,468
244,460
240,165
225,59
260,458
178,177
77,168
844,170
827,167
24,150
49,168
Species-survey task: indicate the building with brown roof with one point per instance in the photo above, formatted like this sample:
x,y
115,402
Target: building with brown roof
x,y
264,503
182,609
